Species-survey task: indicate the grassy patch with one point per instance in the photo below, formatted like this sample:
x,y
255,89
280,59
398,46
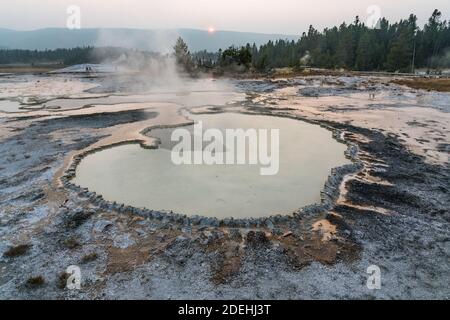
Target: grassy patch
x,y
72,243
62,280
36,281
89,257
28,68
430,84
77,219
17,251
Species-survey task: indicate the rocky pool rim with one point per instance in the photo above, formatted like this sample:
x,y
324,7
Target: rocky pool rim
x,y
328,194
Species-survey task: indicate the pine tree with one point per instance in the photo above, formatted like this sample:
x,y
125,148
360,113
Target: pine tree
x,y
402,49
183,56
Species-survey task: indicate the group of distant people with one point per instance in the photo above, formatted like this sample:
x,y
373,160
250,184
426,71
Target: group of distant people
x,y
90,69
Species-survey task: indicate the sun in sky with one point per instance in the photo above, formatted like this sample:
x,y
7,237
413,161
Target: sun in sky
x,y
211,30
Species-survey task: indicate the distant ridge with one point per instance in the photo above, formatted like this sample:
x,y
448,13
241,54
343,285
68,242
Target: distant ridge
x,y
153,40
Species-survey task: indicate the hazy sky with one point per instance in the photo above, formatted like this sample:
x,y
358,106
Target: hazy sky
x,y
280,16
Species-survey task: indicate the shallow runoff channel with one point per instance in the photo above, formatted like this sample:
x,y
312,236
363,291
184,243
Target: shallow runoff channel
x,y
148,178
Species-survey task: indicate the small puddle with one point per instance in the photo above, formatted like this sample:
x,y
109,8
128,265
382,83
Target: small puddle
x,y
10,106
189,99
147,178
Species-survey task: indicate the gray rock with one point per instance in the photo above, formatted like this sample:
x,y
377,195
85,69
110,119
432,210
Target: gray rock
x,y
102,225
270,225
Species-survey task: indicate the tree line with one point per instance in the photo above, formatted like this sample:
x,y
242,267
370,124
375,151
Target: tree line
x,y
401,46
71,56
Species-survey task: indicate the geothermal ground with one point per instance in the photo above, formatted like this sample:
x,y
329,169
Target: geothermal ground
x,y
389,208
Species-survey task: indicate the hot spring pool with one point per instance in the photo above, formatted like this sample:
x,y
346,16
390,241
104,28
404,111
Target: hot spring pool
x,y
147,178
